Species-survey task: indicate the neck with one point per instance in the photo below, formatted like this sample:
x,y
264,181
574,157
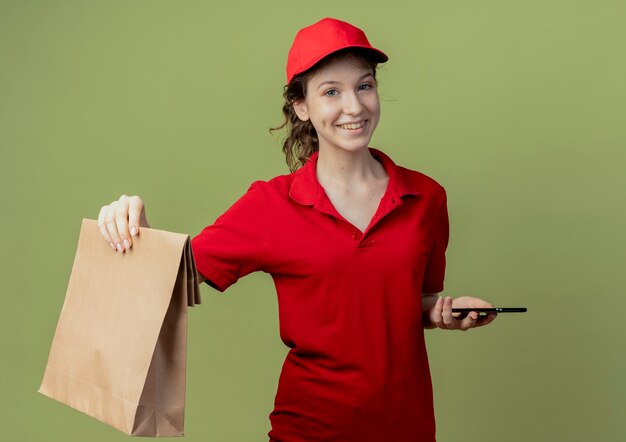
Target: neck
x,y
343,169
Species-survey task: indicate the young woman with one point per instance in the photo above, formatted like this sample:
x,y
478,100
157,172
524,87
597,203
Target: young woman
x,y
355,245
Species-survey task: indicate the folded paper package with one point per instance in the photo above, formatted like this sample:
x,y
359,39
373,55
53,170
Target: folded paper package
x,y
120,346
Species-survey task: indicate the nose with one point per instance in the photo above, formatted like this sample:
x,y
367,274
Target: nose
x,y
352,104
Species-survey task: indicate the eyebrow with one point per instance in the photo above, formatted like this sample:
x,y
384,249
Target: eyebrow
x,y
369,74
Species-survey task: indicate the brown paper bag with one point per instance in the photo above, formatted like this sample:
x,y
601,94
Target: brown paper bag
x,y
119,350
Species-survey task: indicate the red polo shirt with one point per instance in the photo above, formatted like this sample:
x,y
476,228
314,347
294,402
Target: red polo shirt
x,y
349,301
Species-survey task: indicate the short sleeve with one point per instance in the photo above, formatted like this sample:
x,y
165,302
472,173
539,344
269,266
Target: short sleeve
x,y
436,265
233,246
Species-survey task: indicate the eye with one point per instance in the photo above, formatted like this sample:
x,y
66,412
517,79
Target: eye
x,y
329,94
365,86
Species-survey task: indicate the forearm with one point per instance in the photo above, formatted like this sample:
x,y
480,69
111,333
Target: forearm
x,y
428,302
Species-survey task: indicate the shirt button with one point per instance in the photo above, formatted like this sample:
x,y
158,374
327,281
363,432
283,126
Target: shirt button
x,y
355,234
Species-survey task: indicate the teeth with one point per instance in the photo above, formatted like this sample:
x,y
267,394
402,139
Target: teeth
x,y
352,126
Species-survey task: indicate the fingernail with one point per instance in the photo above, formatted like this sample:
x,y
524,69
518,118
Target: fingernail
x,y
133,231
126,244
119,247
112,245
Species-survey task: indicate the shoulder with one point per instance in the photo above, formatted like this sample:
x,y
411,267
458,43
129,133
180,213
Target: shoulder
x,y
410,181
421,180
276,186
264,193
430,192
422,184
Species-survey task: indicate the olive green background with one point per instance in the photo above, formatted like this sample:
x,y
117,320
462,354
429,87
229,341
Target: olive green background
x,y
517,108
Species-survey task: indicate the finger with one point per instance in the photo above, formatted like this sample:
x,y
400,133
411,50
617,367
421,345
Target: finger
x,y
121,219
103,228
437,313
469,322
448,319
111,226
486,319
460,315
134,214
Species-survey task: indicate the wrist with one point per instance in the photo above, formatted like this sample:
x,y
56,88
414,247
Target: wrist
x,y
428,306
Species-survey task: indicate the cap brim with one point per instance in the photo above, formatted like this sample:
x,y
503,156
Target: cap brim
x,y
378,56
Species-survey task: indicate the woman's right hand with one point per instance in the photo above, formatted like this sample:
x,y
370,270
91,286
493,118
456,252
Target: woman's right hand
x,y
120,221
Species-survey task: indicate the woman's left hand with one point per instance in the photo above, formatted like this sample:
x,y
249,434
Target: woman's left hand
x,y
441,314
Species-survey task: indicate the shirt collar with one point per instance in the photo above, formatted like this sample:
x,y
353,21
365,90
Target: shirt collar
x,y
306,190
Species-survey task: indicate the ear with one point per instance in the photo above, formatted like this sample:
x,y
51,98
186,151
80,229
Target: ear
x,y
302,111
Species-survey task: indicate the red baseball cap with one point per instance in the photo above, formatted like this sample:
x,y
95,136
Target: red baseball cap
x,y
323,38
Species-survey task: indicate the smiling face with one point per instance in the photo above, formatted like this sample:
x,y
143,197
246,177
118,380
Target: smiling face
x,y
342,104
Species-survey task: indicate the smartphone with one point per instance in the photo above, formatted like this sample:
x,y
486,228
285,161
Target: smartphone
x,y
465,311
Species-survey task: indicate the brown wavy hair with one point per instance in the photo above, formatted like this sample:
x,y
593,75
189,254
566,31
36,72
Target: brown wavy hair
x,y
301,140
